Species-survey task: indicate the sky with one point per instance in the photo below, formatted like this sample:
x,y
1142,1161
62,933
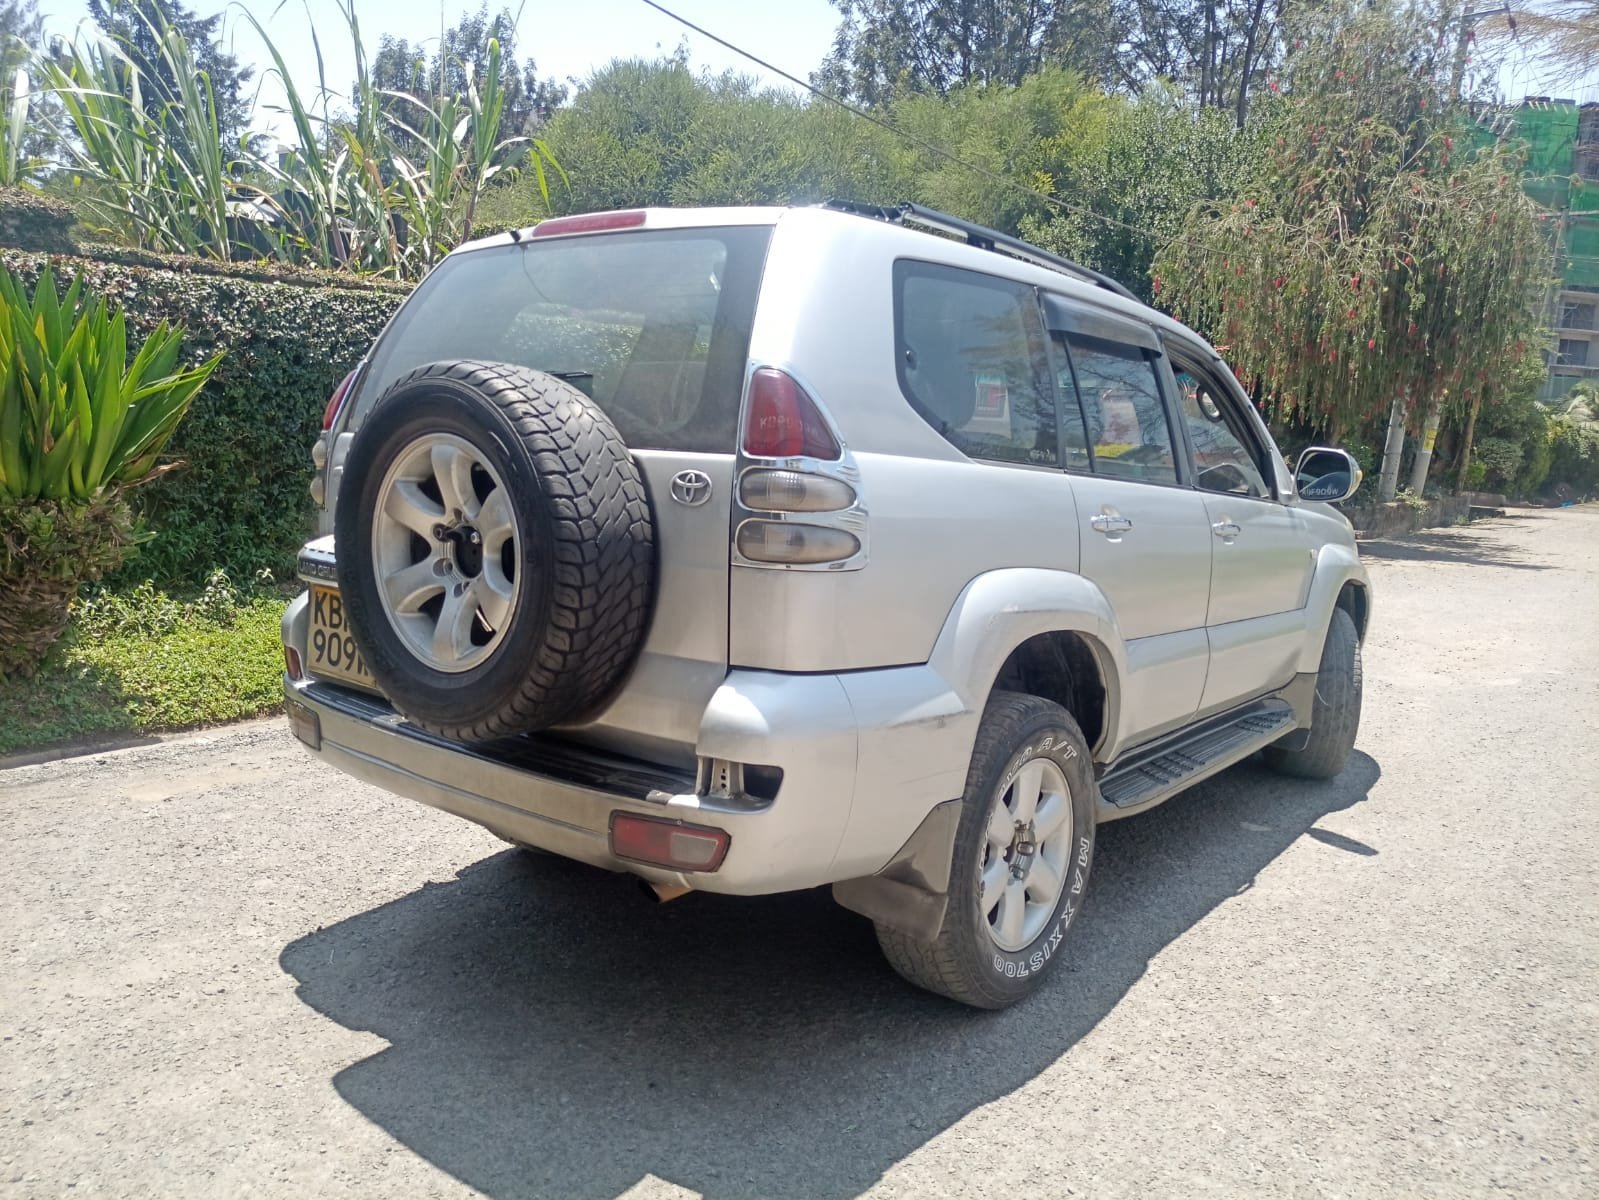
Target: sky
x,y
570,40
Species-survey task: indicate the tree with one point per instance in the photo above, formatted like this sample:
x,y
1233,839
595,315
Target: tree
x,y
1377,261
138,26
402,67
1215,51
887,47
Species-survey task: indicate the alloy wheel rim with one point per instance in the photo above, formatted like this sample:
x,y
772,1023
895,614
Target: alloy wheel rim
x,y
445,543
1026,853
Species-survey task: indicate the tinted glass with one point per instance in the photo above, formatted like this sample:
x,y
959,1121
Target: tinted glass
x,y
971,361
1126,420
655,326
1223,462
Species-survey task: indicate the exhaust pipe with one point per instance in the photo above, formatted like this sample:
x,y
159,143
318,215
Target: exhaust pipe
x,y
664,891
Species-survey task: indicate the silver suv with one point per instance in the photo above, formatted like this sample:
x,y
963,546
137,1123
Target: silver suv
x,y
755,549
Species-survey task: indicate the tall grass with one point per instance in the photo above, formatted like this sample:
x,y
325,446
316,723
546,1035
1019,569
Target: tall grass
x,y
378,182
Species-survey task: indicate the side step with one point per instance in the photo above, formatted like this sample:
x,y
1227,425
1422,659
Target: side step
x,y
1145,776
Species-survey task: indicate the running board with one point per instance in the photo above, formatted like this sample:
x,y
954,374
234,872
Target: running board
x,y
1145,776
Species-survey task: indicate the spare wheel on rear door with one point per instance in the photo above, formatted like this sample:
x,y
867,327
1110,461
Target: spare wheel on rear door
x,y
495,549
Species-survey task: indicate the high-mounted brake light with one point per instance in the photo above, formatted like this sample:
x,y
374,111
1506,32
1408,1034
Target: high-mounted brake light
x,y
784,422
590,223
330,414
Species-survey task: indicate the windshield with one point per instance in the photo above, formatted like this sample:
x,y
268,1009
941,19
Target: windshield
x,y
653,325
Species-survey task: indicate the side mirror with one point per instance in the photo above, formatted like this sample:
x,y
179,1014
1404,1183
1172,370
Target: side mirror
x,y
1327,474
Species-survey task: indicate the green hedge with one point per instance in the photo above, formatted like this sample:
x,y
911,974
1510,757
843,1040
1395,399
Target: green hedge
x,y
239,502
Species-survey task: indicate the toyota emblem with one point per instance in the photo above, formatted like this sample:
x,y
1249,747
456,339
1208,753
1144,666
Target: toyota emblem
x,y
692,488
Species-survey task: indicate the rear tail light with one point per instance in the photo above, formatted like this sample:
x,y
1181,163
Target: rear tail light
x,y
784,542
330,414
793,491
590,223
784,422
664,843
291,663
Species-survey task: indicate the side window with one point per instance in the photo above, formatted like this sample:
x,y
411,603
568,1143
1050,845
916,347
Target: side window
x,y
1222,459
970,349
1127,424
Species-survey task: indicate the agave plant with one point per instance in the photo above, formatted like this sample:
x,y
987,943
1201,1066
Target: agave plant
x,y
80,422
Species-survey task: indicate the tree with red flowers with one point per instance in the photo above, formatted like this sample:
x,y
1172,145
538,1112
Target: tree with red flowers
x,y
1384,262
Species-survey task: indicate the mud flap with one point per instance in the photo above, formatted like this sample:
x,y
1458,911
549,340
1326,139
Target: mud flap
x,y
911,893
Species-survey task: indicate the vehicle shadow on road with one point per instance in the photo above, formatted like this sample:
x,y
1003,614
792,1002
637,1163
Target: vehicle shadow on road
x,y
555,1033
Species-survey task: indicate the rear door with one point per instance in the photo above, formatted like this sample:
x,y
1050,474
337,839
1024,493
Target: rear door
x,y
1261,562
654,325
1145,535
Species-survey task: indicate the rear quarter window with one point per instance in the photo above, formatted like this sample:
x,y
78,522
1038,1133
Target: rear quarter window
x,y
654,325
972,362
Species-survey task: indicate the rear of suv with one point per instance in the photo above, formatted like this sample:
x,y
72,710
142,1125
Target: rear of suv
x,y
751,550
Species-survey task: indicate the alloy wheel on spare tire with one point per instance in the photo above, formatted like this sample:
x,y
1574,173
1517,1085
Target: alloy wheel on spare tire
x,y
495,549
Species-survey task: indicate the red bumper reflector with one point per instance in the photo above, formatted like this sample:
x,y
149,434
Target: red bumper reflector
x,y
304,724
664,843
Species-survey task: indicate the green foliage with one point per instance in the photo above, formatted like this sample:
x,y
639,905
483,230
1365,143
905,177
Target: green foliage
x,y
657,133
1145,166
37,221
78,415
1368,256
388,185
146,120
47,549
1573,458
144,661
1512,442
239,501
139,26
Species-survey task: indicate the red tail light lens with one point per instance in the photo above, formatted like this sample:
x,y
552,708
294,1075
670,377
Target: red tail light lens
x,y
590,223
783,421
664,843
330,414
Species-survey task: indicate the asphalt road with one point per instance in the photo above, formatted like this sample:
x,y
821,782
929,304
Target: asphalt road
x,y
224,972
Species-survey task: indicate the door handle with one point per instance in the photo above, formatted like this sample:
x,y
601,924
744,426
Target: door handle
x,y
1227,530
1110,523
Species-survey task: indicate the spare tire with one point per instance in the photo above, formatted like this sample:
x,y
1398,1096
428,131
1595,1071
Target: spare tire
x,y
495,550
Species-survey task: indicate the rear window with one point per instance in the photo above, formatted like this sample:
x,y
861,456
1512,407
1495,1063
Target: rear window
x,y
654,325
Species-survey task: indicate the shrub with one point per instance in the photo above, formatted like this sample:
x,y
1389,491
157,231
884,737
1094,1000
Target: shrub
x,y
1573,459
81,419
239,499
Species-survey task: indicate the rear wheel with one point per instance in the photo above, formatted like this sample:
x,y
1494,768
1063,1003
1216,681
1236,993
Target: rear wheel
x,y
1335,715
1023,851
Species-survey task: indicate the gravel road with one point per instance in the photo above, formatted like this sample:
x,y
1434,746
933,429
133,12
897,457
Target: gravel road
x,y
226,973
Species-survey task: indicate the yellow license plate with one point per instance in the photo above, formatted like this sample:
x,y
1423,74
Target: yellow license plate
x,y
332,652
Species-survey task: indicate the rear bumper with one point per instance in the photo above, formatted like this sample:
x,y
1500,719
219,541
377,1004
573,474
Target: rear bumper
x,y
864,758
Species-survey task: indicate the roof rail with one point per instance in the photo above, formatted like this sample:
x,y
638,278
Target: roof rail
x,y
980,236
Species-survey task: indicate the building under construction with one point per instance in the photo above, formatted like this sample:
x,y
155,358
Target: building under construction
x,y
1563,176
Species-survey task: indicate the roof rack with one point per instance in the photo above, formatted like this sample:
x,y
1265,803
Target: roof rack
x,y
980,236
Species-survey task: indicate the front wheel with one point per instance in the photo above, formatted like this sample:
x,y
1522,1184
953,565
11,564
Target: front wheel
x,y
1023,851
1335,714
